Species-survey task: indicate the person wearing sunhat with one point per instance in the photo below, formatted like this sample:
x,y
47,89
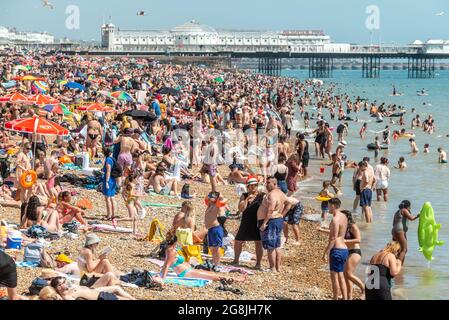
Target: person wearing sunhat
x,y
86,260
248,205
66,265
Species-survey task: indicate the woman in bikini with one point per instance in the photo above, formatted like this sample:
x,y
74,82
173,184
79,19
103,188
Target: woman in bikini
x,y
23,164
184,270
68,212
94,134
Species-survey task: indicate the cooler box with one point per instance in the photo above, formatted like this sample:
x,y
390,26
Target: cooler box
x,y
14,240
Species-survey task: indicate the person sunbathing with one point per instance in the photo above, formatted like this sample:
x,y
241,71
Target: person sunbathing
x,y
37,214
184,270
68,292
162,185
68,212
6,199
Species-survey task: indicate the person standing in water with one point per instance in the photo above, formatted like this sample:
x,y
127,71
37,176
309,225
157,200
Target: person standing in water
x,y
400,227
366,193
382,174
442,157
413,146
362,131
336,249
388,265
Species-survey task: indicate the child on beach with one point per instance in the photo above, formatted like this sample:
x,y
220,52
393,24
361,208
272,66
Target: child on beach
x,y
325,193
132,202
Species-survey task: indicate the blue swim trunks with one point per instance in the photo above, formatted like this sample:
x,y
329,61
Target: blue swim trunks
x,y
325,206
215,236
294,214
337,259
366,195
271,236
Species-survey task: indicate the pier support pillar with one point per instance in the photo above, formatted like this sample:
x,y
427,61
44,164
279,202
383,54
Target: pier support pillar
x,y
421,67
270,66
371,67
320,67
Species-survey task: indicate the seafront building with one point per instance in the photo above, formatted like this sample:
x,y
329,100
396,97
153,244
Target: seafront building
x,y
193,36
10,37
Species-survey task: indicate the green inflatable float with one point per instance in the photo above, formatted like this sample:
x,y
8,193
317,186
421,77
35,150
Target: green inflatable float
x,y
428,231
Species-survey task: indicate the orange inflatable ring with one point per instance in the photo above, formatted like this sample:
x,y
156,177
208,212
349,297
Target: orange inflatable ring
x,y
65,159
28,179
218,203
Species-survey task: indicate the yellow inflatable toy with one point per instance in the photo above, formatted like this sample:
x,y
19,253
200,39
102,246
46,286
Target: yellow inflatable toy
x,y
428,231
28,179
321,199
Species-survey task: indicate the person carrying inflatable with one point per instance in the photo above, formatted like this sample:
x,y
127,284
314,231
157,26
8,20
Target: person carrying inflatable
x,y
400,226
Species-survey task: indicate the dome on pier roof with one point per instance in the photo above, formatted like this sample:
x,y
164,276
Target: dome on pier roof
x,y
193,28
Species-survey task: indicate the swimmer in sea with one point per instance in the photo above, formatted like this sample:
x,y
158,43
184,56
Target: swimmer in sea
x,y
401,164
442,158
413,145
362,131
426,148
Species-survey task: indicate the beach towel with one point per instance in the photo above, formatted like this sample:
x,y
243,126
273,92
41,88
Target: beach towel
x,y
27,264
109,228
161,205
185,236
156,232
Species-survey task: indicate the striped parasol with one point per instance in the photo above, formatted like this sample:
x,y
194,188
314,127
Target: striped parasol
x,y
36,125
122,95
96,107
42,86
58,108
41,99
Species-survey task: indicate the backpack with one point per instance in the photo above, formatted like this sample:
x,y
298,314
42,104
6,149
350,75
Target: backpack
x,y
33,253
37,285
117,170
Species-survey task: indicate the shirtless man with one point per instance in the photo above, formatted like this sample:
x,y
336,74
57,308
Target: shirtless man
x,y
442,158
127,146
73,292
270,222
215,232
283,147
366,191
94,134
336,249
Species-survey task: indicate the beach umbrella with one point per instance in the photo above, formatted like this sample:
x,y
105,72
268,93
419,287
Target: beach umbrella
x,y
219,80
96,107
140,114
122,95
167,90
29,78
41,99
57,108
42,86
18,98
75,85
6,97
36,125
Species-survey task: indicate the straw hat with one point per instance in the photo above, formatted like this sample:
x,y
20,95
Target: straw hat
x,y
91,238
48,274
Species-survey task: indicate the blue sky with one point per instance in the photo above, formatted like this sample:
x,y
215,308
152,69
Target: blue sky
x,y
401,21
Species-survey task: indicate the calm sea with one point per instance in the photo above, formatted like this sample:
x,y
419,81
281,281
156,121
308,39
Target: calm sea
x,y
424,180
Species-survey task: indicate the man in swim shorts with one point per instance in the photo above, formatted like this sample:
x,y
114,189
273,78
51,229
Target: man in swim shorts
x,y
336,249
215,232
270,222
366,191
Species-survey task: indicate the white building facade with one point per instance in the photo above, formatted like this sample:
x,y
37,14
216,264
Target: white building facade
x,y
12,37
195,37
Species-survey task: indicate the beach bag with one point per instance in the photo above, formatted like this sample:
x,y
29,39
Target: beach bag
x,y
156,232
37,231
33,253
4,168
71,226
37,285
192,251
117,170
185,189
185,236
